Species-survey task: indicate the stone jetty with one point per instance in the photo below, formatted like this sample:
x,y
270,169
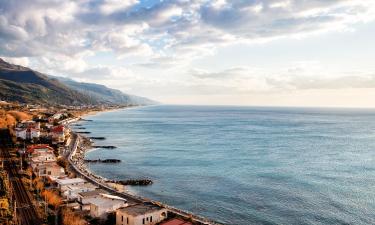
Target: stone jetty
x,y
102,160
104,146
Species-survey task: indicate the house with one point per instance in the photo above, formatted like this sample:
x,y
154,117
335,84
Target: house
x,y
71,192
43,161
104,204
63,184
58,134
176,221
48,170
84,198
28,130
38,149
141,214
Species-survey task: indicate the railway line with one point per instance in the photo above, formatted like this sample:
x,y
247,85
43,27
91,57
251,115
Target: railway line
x,y
25,211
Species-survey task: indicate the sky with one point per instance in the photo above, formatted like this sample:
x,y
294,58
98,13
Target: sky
x,y
210,52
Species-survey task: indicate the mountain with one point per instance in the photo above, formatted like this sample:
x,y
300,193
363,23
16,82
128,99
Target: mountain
x,y
18,83
105,94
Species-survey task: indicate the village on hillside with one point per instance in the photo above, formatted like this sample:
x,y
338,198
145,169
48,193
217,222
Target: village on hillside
x,y
43,178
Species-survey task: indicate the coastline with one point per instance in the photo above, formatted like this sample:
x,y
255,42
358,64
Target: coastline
x,y
80,167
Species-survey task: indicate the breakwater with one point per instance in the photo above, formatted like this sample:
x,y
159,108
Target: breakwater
x,y
104,146
97,138
134,182
102,160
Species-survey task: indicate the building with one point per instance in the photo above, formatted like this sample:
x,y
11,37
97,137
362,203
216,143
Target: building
x,y
176,221
28,130
84,198
58,134
48,170
141,214
38,149
43,161
63,184
71,192
104,204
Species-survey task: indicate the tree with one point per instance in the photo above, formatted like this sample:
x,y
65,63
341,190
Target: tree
x,y
69,217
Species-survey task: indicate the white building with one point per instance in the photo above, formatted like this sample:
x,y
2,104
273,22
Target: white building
x,y
43,161
28,130
48,170
72,191
104,204
85,198
63,184
140,214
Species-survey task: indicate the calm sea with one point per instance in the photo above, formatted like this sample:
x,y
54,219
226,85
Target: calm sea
x,y
246,165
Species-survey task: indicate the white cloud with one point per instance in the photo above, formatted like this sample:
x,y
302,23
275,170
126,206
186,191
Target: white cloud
x,y
57,36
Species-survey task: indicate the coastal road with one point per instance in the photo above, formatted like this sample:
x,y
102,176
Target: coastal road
x,y
129,197
26,212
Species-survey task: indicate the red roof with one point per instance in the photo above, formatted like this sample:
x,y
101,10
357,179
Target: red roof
x,y
31,148
176,221
58,129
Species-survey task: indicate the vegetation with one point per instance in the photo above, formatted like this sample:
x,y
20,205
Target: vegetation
x,y
69,217
53,198
24,85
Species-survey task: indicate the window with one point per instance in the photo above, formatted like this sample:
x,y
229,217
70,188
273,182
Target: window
x,y
143,221
127,220
151,219
122,218
147,218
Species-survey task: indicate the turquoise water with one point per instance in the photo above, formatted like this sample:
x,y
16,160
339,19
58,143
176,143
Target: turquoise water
x,y
246,165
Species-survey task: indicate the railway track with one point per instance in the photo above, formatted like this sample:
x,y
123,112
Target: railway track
x,y
25,210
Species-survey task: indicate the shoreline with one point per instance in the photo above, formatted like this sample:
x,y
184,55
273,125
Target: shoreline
x,y
103,182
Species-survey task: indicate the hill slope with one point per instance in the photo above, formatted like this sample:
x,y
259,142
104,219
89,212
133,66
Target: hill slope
x,y
22,84
25,85
105,94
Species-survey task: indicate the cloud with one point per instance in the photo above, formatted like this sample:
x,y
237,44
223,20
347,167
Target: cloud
x,y
57,36
242,80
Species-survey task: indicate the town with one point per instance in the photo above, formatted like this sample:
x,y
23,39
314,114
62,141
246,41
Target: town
x,y
44,179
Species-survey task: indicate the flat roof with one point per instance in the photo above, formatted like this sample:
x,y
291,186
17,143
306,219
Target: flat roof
x,y
70,181
92,193
176,221
140,209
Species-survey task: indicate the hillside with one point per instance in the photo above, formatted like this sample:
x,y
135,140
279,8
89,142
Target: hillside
x,y
105,94
25,85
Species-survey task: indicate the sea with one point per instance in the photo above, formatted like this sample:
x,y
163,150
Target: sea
x,y
245,165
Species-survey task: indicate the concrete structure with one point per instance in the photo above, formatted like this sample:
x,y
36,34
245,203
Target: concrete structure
x,y
63,184
28,130
176,221
38,149
43,161
72,191
48,169
141,214
58,134
104,204
85,198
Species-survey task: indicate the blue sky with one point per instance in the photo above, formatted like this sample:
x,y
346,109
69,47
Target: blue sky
x,y
259,52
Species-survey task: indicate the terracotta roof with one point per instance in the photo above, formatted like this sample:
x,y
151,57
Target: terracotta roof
x,y
31,148
176,221
58,129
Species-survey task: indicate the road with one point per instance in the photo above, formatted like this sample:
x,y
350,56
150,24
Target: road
x,y
132,199
26,212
